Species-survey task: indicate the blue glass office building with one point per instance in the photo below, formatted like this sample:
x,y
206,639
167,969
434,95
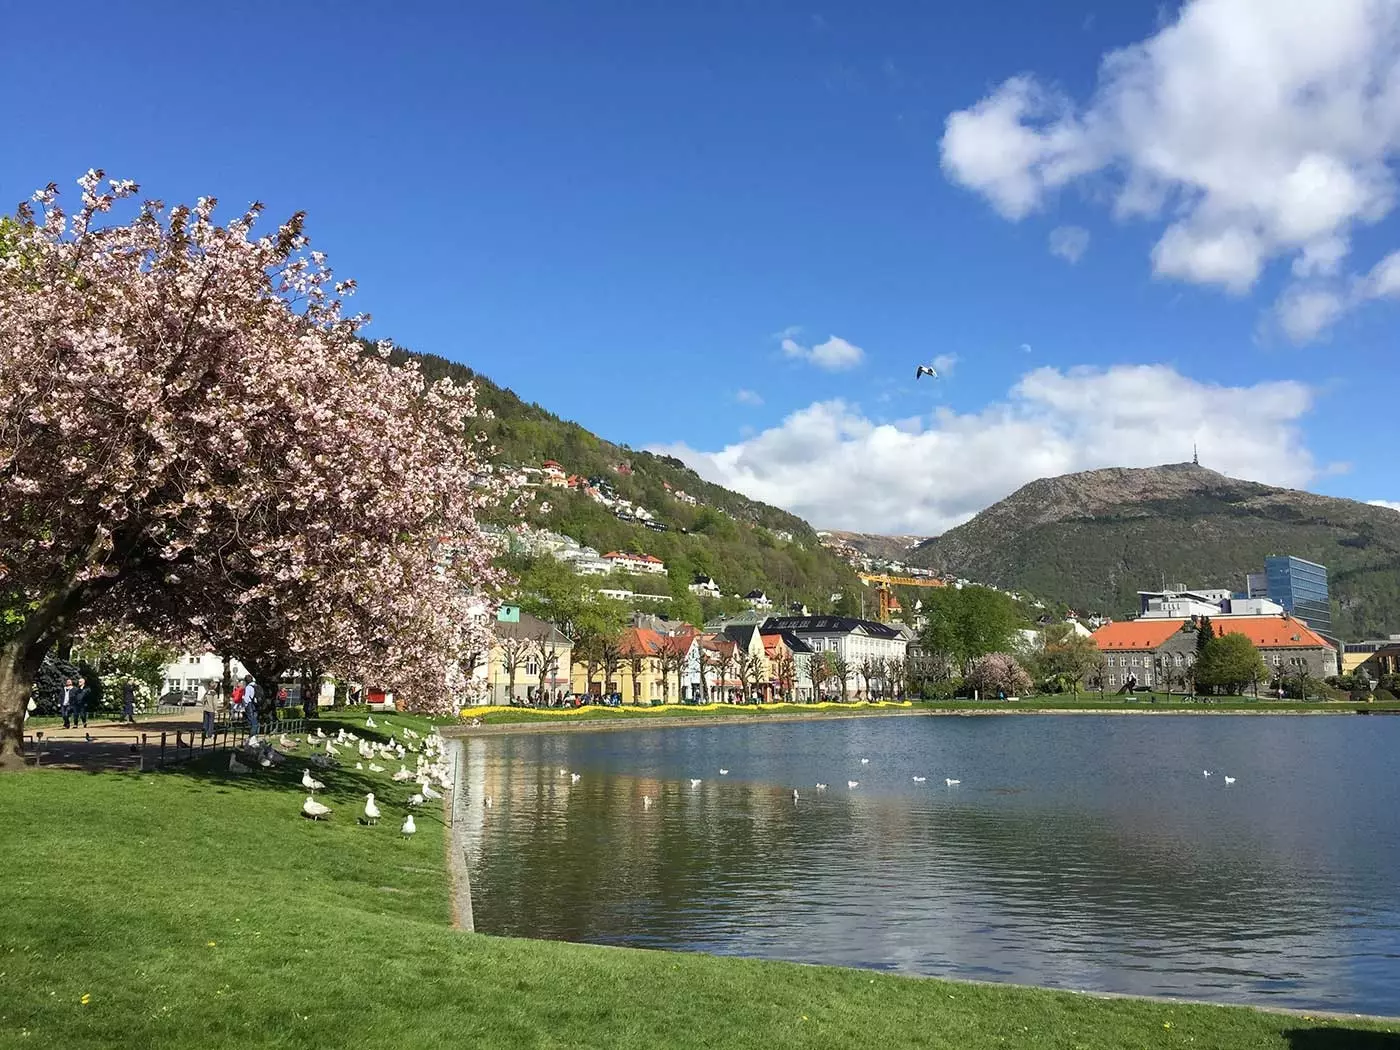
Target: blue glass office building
x,y
1301,588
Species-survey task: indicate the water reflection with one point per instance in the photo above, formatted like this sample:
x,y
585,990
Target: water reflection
x,y
1085,852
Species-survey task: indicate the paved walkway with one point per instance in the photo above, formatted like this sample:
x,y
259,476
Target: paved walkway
x,y
106,743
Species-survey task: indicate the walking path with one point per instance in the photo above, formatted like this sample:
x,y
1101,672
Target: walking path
x,y
105,744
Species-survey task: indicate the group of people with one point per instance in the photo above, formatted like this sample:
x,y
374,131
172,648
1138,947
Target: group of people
x,y
74,700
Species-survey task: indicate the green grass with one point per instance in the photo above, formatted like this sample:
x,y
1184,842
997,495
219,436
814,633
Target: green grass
x,y
197,910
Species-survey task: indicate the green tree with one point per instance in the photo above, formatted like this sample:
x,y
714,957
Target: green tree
x,y
1069,655
1229,663
968,622
1205,631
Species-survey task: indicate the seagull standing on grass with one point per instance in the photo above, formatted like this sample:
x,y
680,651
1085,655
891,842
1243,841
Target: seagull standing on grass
x,y
310,783
313,809
408,826
415,800
371,810
234,766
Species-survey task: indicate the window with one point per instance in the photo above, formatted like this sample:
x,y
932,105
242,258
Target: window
x,y
1277,660
532,667
1112,660
1113,679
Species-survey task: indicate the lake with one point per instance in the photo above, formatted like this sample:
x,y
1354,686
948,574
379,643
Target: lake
x,y
1079,851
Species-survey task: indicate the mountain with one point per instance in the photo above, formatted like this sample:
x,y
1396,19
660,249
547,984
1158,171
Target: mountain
x,y
743,545
1092,540
882,548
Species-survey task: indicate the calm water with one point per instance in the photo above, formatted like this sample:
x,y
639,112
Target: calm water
x,y
1078,851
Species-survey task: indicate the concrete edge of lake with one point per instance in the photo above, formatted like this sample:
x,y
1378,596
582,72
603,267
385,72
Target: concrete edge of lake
x,y
548,724
459,885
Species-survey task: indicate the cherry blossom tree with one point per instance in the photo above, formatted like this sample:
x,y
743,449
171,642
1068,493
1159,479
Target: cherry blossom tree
x,y
998,673
194,439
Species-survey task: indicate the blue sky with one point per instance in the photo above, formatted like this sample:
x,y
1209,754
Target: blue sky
x,y
620,209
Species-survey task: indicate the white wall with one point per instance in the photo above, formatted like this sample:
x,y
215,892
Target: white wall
x,y
192,670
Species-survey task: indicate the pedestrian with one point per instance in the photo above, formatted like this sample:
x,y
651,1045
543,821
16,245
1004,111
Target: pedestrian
x,y
209,701
129,702
79,700
30,708
250,705
65,701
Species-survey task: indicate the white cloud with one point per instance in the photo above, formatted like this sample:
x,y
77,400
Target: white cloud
x,y
1069,242
748,397
834,355
1253,130
944,364
839,469
1391,503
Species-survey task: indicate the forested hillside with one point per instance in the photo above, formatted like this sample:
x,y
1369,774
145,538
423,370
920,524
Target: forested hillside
x,y
742,544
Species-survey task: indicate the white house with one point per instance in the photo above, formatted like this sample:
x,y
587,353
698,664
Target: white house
x,y
846,637
635,563
705,587
193,670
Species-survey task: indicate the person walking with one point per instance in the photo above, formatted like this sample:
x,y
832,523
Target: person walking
x,y
129,702
250,705
80,699
209,701
65,701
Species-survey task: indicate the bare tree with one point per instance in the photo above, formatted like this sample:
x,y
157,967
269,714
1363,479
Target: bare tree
x,y
841,669
868,671
708,659
610,659
678,657
515,651
785,674
896,670
636,662
547,649
724,666
818,670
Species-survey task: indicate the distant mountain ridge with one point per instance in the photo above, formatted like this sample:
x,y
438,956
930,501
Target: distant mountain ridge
x,y
1092,540
885,548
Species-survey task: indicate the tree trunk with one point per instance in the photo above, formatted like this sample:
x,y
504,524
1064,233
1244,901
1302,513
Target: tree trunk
x,y
19,664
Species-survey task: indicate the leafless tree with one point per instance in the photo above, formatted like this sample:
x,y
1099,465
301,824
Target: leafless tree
x,y
841,669
785,674
515,651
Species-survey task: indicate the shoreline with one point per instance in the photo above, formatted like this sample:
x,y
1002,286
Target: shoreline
x,y
562,723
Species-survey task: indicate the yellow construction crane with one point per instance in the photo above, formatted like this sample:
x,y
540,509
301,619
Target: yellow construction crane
x,y
883,585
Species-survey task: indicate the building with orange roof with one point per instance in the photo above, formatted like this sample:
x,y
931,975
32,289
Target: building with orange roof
x,y
1158,653
625,562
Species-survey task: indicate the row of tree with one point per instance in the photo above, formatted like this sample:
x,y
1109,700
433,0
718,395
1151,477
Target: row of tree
x,y
198,445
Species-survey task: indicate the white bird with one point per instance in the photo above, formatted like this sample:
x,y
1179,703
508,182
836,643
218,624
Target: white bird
x,y
1229,780
724,772
853,784
794,794
371,810
920,780
563,772
574,778
694,781
375,767
359,765
287,742
646,802
320,733
309,782
951,782
234,766
488,802
370,723
408,826
313,809
865,761
403,774
821,787
415,800
925,370
1205,772
430,792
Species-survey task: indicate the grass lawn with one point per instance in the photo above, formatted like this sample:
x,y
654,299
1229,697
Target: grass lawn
x,y
192,909
1084,702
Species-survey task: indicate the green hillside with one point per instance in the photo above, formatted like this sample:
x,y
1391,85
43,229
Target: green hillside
x,y
742,544
1092,540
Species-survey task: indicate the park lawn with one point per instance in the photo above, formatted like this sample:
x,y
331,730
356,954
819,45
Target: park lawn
x,y
196,910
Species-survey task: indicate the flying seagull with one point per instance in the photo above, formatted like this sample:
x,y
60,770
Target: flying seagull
x,y
925,370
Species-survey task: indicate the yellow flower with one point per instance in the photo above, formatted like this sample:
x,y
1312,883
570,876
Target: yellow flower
x,y
1167,1025
85,999
210,944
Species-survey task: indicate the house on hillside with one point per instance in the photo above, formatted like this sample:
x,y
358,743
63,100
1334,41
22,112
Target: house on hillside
x,y
1157,653
758,600
622,562
553,474
704,587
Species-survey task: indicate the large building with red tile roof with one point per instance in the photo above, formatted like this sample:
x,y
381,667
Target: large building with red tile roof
x,y
1158,653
